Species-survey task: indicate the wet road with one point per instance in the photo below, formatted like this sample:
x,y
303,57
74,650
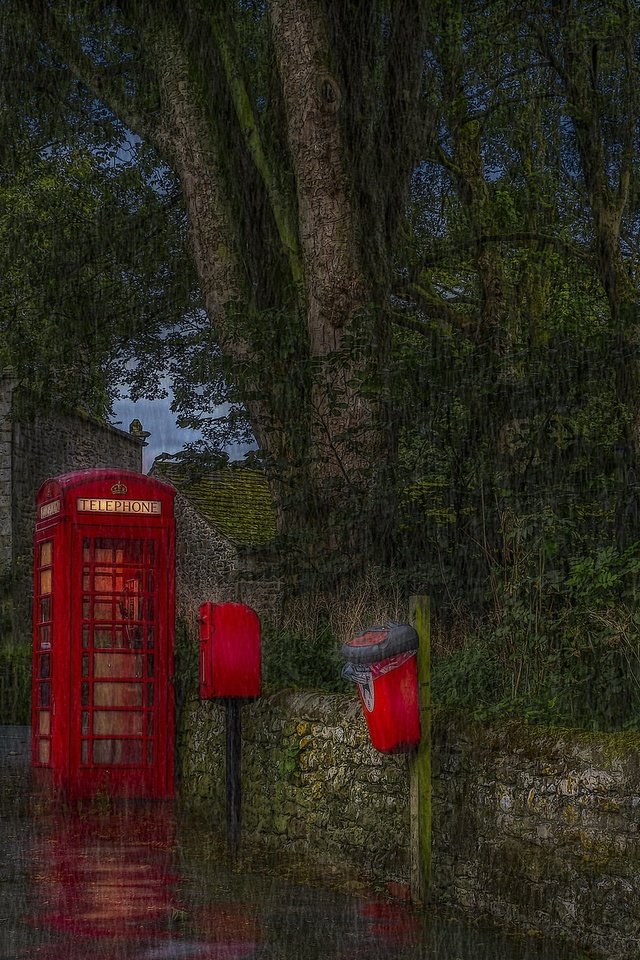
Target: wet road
x,y
136,882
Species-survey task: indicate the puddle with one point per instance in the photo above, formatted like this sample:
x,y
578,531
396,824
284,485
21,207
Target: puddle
x,y
134,883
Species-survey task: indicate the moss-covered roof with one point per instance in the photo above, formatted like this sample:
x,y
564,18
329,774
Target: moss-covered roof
x,y
234,500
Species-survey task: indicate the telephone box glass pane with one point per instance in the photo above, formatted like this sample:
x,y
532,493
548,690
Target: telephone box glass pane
x,y
117,722
45,581
110,637
116,550
44,751
45,609
44,723
44,694
102,581
117,695
45,666
45,554
116,660
103,610
45,636
116,752
117,665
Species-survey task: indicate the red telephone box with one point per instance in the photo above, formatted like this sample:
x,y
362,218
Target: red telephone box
x,y
103,631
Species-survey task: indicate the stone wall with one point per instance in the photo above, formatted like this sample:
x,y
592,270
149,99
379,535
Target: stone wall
x,y
313,789
539,828
534,828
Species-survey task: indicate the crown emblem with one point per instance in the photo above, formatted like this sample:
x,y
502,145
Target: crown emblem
x,y
119,487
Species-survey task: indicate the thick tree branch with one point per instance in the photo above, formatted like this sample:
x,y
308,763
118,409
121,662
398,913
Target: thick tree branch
x,y
226,42
187,142
326,219
436,307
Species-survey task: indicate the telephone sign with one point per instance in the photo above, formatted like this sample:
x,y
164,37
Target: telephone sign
x,y
103,633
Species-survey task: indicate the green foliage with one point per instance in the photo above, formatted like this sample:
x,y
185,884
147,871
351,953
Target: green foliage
x,y
15,665
560,647
301,660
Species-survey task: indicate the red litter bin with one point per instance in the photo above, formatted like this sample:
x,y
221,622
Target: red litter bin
x,y
383,663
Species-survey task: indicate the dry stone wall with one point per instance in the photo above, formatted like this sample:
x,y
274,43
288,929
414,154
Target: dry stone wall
x,y
541,829
313,788
538,829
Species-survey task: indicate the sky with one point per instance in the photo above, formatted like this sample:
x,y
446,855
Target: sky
x,y
157,418
165,437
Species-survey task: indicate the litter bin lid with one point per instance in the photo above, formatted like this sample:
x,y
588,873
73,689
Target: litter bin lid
x,y
378,643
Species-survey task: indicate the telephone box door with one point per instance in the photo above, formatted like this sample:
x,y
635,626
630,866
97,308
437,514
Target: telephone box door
x,y
121,707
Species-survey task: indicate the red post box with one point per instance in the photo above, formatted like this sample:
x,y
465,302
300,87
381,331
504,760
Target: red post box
x,y
382,661
230,653
103,634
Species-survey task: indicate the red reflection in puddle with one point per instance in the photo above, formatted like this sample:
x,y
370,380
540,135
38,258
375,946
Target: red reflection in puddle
x,y
392,922
106,875
112,877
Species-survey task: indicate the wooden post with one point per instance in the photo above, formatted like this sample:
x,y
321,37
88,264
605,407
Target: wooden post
x,y
420,762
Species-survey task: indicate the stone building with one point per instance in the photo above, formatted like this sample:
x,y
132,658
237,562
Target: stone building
x,y
30,452
225,522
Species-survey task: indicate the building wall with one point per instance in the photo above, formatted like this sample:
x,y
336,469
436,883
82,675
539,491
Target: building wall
x,y
209,568
46,447
535,828
205,561
6,390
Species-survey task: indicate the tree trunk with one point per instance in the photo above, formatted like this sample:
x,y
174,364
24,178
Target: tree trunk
x,y
345,435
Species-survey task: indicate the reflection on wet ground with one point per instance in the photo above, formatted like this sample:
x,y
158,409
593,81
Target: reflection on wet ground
x,y
133,882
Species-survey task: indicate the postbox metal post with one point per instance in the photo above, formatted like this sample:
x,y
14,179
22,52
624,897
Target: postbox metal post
x,y
230,670
233,777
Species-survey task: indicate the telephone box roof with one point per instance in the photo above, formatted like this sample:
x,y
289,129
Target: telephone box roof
x,y
67,481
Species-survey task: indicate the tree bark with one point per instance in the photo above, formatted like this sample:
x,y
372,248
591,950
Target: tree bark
x,y
186,142
345,433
